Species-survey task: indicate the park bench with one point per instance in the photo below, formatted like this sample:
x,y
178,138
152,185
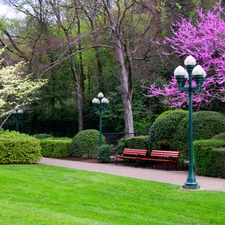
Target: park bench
x,y
161,156
130,154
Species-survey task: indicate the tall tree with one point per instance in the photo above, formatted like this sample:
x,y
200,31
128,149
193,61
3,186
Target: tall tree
x,y
52,24
17,88
203,39
66,19
132,31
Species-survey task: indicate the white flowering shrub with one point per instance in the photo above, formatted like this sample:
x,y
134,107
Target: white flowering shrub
x,y
16,87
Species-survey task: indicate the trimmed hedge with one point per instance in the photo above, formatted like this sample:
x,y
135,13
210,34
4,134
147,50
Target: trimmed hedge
x,y
139,142
162,130
19,148
43,135
56,148
206,124
210,157
86,143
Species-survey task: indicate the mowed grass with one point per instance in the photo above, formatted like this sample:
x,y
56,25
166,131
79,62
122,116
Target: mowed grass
x,y
39,194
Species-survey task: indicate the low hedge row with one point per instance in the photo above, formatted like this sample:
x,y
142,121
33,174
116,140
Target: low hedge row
x,y
210,157
56,148
139,142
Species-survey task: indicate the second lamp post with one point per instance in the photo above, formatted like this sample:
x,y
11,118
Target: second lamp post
x,y
100,104
198,74
17,114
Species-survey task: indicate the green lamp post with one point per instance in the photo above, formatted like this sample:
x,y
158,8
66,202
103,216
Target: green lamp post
x,y
100,104
17,114
198,74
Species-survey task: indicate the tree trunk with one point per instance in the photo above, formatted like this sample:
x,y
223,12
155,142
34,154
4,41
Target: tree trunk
x,y
124,83
78,94
126,91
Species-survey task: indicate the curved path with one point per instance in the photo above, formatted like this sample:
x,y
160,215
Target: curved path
x,y
172,177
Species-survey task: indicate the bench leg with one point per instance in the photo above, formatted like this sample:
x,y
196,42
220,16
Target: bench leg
x,y
144,164
166,166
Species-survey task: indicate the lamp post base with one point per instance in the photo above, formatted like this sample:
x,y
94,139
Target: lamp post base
x,y
193,186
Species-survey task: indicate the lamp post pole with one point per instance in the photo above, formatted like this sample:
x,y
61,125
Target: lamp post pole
x,y
198,74
100,104
17,113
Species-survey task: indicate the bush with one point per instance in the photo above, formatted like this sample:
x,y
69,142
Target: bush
x,y
220,136
139,142
56,147
210,157
19,148
162,130
206,124
40,136
86,143
104,153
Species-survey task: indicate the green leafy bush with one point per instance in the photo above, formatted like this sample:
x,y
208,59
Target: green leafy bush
x,y
210,157
19,148
56,147
162,130
139,142
220,136
86,143
104,153
206,124
40,136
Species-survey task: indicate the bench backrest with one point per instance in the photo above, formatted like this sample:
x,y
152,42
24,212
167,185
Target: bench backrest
x,y
161,153
131,151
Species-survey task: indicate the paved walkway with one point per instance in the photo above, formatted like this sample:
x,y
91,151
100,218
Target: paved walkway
x,y
172,177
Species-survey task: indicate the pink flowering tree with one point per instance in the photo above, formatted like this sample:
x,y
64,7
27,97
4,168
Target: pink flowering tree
x,y
204,39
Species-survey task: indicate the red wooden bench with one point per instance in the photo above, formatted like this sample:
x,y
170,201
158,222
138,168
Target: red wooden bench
x,y
131,154
162,156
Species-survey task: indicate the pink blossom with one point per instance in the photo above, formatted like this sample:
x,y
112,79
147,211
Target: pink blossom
x,y
204,39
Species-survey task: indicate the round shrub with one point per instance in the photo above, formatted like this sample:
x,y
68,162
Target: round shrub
x,y
86,143
162,130
206,124
19,148
104,153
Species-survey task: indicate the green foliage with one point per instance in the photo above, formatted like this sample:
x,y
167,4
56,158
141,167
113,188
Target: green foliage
x,y
141,126
162,130
41,136
206,124
19,148
139,142
210,157
219,136
56,148
114,116
86,143
104,153
143,117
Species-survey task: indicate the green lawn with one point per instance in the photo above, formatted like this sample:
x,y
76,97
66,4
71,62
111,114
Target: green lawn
x,y
39,194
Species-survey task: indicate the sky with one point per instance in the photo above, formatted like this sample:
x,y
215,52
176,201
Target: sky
x,y
7,12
